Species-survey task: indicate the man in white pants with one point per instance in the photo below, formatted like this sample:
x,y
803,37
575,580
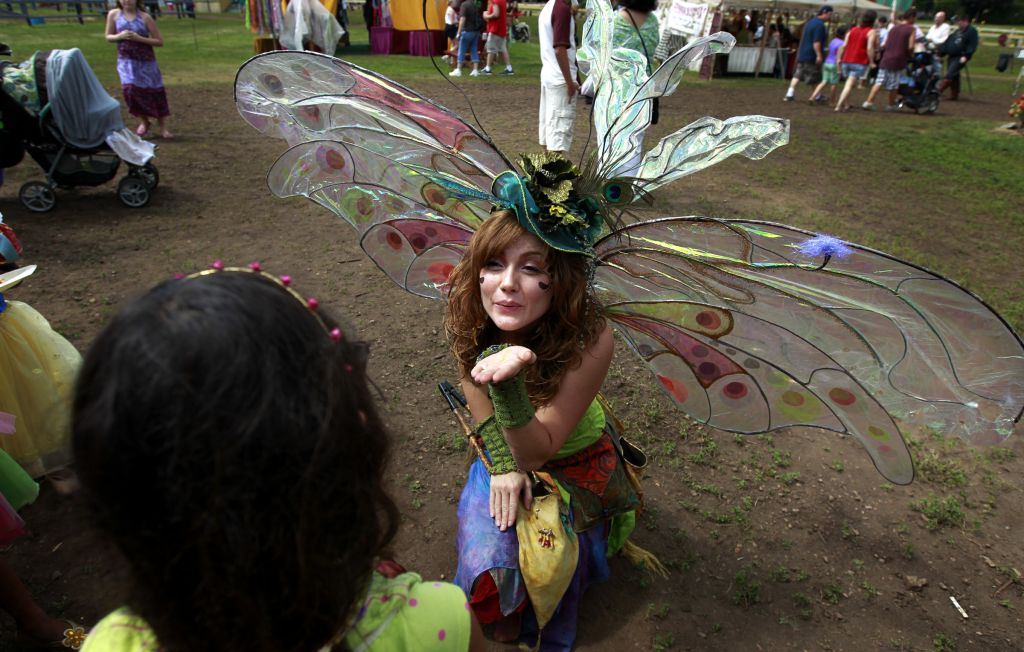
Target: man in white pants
x,y
558,86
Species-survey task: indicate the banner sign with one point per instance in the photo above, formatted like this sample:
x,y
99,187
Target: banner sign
x,y
686,19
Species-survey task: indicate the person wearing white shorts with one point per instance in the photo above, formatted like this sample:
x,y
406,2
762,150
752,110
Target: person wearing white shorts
x,y
558,86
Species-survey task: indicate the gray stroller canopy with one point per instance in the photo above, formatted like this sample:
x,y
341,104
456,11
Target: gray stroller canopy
x,y
82,109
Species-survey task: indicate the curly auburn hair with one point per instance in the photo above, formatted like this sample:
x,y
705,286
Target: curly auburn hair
x,y
572,324
232,452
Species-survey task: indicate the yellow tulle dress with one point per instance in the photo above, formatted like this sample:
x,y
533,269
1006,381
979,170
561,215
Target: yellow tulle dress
x,y
37,375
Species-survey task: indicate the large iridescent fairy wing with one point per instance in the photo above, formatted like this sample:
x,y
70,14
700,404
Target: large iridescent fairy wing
x,y
377,154
622,112
747,334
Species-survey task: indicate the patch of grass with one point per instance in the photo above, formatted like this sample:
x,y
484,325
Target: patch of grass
x,y
746,588
869,588
907,551
1000,454
656,612
943,643
649,517
1006,604
706,453
940,512
781,459
837,466
921,159
790,478
935,469
779,574
848,531
663,642
801,600
833,593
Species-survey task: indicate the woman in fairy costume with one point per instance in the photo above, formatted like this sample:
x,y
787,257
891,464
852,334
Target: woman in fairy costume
x,y
533,351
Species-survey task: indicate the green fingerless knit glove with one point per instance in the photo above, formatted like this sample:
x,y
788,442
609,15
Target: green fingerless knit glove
x,y
512,406
501,457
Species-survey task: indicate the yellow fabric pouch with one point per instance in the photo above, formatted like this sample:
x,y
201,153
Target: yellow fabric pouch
x,y
548,548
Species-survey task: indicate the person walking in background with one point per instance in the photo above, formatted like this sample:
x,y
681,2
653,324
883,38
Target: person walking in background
x,y
136,34
855,56
811,53
470,26
830,70
959,47
878,36
898,49
497,35
451,27
559,87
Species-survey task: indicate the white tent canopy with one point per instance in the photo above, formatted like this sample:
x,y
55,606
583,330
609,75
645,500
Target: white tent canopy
x,y
841,6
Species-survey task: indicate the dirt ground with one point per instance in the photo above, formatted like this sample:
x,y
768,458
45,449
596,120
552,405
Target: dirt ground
x,y
785,542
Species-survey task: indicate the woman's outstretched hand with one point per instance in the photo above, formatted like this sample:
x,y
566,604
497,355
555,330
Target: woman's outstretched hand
x,y
505,490
502,365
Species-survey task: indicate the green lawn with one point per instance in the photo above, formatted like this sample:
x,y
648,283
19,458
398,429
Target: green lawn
x,y
210,49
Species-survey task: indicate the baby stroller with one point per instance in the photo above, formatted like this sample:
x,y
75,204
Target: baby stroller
x,y
519,31
53,107
921,92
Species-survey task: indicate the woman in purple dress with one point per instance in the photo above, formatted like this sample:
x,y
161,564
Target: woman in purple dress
x,y
136,34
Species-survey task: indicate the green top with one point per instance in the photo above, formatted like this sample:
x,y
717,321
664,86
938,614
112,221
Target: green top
x,y
404,613
586,432
625,36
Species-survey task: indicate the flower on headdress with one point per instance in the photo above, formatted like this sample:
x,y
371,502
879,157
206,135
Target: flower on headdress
x,y
560,217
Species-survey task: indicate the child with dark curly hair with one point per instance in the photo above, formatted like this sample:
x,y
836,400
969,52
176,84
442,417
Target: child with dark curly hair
x,y
228,444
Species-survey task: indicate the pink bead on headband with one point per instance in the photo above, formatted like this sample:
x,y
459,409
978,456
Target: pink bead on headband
x,y
284,282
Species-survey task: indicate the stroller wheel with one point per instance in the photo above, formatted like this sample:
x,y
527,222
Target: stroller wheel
x,y
149,174
37,196
133,192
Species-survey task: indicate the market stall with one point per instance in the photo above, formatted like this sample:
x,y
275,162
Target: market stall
x,y
688,19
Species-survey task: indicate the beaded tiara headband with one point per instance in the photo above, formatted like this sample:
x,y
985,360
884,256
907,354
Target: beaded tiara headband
x,y
284,282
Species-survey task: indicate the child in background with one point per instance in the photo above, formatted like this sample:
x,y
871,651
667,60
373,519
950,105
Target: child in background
x,y
228,444
830,71
37,375
36,628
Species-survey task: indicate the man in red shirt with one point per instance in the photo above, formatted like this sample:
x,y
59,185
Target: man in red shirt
x,y
497,35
